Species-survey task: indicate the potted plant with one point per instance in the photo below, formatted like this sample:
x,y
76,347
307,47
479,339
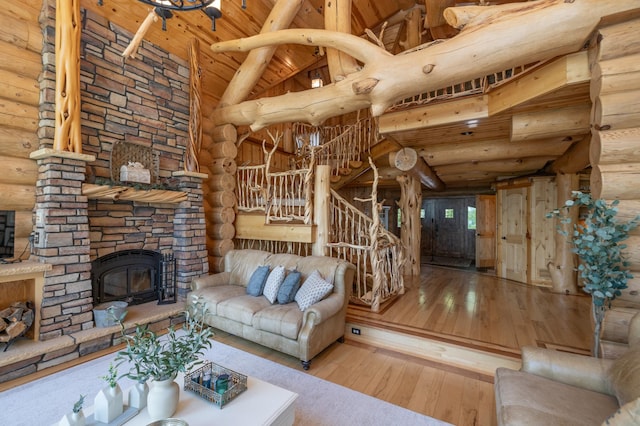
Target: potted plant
x,y
597,240
108,403
76,417
161,358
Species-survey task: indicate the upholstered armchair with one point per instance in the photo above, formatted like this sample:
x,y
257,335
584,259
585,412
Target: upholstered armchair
x,y
559,388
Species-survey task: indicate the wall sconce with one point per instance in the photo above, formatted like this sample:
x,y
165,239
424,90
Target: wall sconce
x,y
317,81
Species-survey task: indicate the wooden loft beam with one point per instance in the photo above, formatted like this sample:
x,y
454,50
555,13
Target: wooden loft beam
x,y
566,71
252,227
455,111
563,72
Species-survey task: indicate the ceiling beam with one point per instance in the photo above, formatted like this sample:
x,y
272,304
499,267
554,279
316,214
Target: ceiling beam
x,y
471,108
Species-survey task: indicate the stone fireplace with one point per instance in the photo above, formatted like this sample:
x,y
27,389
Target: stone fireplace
x,y
80,213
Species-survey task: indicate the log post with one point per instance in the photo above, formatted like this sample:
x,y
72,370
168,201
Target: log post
x,y
563,269
68,135
322,209
195,112
411,228
337,17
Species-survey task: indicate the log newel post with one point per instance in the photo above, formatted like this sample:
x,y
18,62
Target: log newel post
x,y
322,210
411,229
563,269
68,135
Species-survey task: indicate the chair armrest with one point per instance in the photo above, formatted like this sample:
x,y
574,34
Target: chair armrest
x,y
577,370
212,280
324,309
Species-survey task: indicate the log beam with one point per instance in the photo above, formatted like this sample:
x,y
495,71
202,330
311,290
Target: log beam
x,y
551,123
248,74
574,159
407,160
490,37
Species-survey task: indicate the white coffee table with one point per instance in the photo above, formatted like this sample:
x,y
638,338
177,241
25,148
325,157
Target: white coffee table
x,y
261,404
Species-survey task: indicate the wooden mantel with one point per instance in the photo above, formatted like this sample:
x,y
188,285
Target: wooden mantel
x,y
127,193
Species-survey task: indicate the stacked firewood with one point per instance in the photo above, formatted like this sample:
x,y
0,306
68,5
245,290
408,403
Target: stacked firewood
x,y
15,321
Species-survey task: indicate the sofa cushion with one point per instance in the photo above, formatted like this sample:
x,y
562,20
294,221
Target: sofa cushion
x,y
273,283
214,295
284,320
624,376
526,399
242,308
256,283
313,290
628,414
289,287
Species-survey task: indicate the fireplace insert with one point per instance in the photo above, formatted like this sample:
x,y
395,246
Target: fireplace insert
x,y
133,276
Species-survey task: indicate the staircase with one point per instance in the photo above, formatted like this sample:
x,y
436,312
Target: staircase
x,y
275,211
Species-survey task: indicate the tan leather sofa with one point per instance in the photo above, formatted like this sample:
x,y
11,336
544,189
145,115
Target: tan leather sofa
x,y
283,327
559,388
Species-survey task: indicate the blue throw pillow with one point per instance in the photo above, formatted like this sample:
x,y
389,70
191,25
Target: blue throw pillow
x,y
289,287
258,280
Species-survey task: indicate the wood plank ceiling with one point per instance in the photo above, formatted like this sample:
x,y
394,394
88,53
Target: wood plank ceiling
x,y
466,154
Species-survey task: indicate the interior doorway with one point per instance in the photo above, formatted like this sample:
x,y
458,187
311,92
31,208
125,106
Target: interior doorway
x,y
448,230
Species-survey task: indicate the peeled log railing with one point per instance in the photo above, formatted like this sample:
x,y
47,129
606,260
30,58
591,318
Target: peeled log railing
x,y
355,237
378,261
340,147
471,87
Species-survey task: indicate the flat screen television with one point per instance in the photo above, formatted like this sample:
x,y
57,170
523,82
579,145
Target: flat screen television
x,y
7,230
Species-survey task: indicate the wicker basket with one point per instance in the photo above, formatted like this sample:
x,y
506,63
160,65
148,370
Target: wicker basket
x,y
124,152
237,383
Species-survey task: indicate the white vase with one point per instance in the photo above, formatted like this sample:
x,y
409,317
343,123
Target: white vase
x,y
162,400
138,395
73,419
108,404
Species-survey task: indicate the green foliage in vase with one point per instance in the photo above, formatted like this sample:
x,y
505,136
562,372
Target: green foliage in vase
x,y
112,376
77,407
161,357
598,243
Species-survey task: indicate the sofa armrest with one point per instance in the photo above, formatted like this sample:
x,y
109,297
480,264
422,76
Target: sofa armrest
x,y
577,370
212,280
324,309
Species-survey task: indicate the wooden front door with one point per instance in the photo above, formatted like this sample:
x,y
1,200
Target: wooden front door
x,y
513,234
486,231
444,227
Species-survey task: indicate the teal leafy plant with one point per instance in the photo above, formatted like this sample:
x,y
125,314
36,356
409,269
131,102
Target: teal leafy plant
x,y
77,407
112,376
151,356
598,242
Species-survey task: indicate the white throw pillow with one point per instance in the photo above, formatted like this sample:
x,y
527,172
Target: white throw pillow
x,y
313,290
273,283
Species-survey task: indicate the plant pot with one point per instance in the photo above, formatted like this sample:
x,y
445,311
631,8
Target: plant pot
x,y
162,400
103,318
108,404
73,419
138,395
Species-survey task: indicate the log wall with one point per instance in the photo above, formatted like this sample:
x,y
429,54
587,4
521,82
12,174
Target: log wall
x,y
20,67
615,153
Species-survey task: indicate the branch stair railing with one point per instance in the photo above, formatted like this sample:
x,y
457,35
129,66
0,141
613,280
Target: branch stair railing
x,y
355,237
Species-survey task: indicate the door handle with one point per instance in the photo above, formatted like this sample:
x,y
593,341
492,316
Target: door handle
x,y
504,238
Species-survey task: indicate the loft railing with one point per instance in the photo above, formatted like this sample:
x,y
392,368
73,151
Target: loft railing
x,y
340,147
471,87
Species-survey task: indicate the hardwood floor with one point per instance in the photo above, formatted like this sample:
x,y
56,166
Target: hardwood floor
x,y
461,306
457,306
